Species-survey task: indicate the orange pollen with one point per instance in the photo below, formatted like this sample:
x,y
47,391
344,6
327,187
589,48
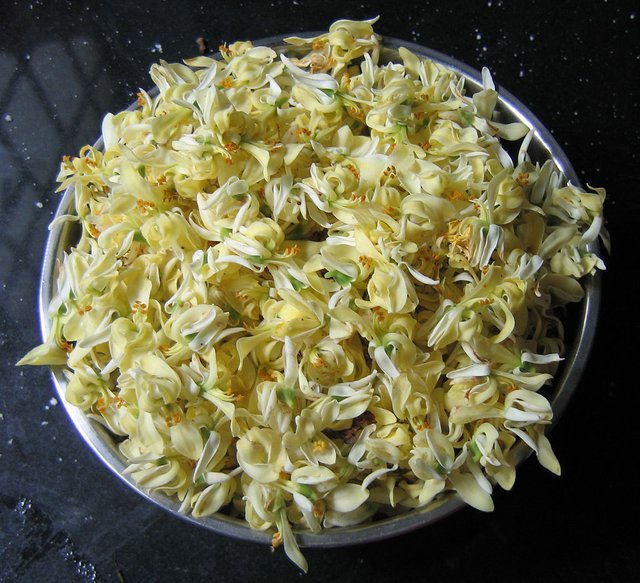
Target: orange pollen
x,y
365,261
267,375
523,178
390,172
93,231
226,83
144,205
318,509
355,112
317,66
425,146
358,198
224,49
318,362
391,148
419,114
293,250
141,98
318,44
66,346
119,401
351,168
90,162
389,210
302,132
101,405
425,253
379,312
83,311
173,419
231,147
139,307
455,195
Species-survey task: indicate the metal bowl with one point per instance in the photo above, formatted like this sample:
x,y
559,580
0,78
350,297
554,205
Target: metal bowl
x,y
582,330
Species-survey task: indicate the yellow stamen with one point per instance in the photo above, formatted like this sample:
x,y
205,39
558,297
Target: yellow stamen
x,y
276,540
355,112
319,446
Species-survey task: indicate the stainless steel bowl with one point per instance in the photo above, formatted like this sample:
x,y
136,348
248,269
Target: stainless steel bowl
x,y
542,147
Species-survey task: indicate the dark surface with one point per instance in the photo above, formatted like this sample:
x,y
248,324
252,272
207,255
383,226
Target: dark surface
x,y
64,517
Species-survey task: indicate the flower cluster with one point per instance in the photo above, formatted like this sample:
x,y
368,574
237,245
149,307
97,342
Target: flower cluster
x,y
314,286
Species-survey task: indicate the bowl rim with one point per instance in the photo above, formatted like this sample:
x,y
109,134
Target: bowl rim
x,y
99,440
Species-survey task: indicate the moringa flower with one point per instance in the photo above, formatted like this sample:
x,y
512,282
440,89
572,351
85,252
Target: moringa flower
x,y
312,285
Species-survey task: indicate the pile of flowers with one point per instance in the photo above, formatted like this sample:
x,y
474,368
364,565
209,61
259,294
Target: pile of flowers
x,y
312,287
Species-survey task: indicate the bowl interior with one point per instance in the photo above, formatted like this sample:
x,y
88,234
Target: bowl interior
x,y
580,322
